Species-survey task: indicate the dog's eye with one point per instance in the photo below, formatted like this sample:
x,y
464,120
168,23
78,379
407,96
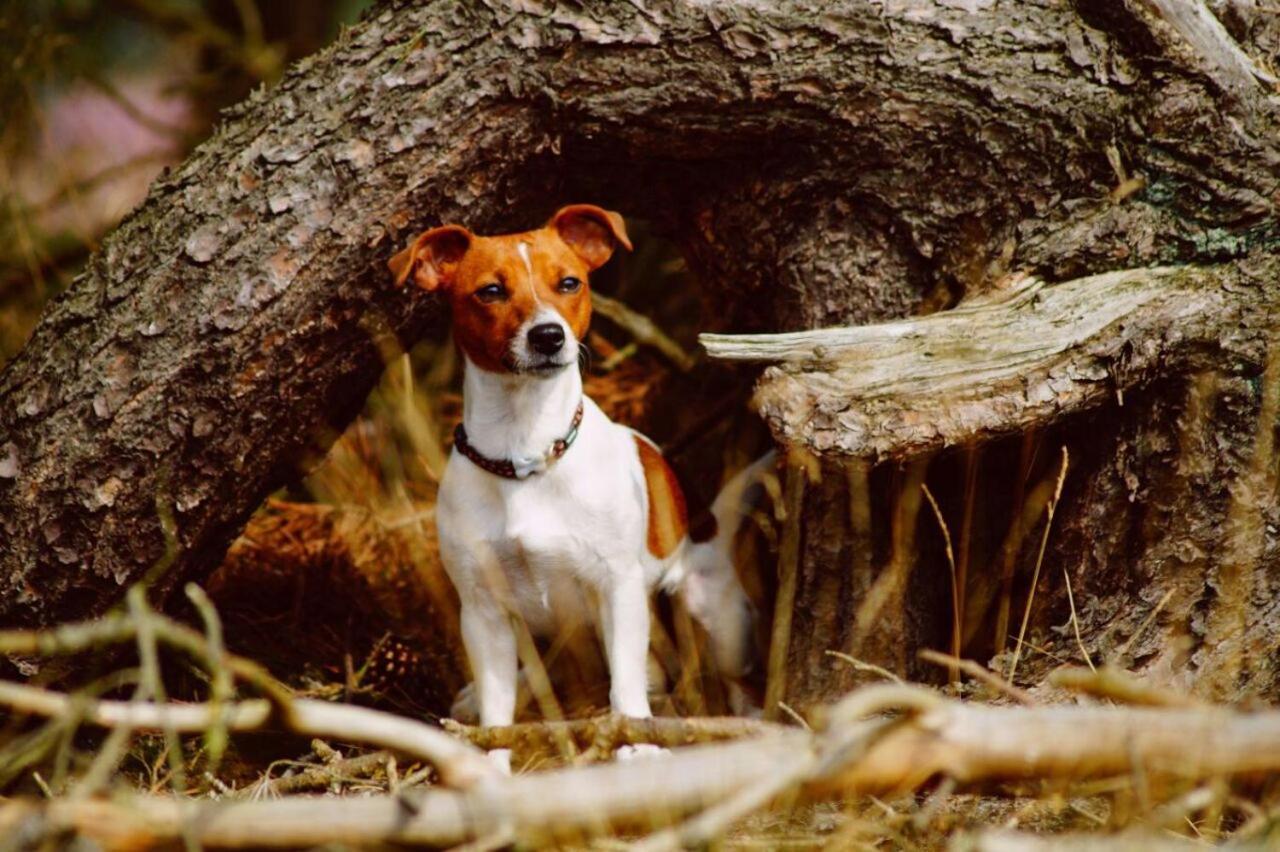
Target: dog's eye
x,y
569,285
490,293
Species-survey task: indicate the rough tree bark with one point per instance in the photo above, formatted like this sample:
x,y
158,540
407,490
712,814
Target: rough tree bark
x,y
820,162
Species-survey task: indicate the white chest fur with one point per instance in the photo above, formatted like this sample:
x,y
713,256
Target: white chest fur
x,y
558,548
553,540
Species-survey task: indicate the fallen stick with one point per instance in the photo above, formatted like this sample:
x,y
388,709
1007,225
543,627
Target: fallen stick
x,y
559,804
117,628
614,730
644,330
1109,682
972,744
978,672
342,770
459,763
978,744
1004,840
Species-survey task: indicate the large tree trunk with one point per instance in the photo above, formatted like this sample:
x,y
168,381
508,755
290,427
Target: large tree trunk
x,y
821,162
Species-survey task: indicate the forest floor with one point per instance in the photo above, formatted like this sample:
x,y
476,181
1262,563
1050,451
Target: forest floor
x,y
335,593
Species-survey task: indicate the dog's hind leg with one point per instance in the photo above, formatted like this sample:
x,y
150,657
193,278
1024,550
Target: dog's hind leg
x,y
714,597
709,586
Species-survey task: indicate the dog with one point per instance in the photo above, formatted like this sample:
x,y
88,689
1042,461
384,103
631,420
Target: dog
x,y
549,513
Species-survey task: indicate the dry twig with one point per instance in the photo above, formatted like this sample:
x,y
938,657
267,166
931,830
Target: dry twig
x,y
615,730
979,673
1110,682
116,628
319,777
863,666
1035,574
1003,840
459,763
643,330
957,615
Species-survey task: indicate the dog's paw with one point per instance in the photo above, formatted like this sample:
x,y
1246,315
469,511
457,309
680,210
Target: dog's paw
x,y
466,706
640,752
501,758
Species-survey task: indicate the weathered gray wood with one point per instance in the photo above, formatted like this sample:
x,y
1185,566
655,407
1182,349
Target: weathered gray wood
x,y
1016,358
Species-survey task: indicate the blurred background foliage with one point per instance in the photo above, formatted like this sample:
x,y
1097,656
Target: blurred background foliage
x,y
98,96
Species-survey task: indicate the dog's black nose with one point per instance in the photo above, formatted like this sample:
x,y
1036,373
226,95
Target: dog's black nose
x,y
547,338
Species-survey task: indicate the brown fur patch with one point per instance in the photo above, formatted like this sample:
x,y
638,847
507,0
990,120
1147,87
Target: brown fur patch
x,y
578,239
668,521
484,331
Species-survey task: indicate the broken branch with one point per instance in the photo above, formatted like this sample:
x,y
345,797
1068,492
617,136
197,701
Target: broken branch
x,y
1001,363
643,330
459,763
616,730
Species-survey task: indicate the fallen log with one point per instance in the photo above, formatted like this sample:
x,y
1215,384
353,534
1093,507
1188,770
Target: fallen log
x,y
1025,356
859,751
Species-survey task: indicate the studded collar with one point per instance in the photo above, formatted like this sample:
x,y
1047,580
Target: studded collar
x,y
521,468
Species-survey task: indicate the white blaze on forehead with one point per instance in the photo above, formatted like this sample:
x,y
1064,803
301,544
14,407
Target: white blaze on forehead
x,y
542,313
523,250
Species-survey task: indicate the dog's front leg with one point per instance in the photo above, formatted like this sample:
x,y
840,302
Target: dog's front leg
x,y
625,622
491,650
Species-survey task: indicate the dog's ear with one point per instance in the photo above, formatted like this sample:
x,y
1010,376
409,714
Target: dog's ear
x,y
592,232
432,258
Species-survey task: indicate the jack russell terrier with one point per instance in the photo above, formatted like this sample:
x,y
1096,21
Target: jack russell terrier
x,y
548,511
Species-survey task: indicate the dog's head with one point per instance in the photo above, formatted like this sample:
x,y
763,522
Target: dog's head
x,y
521,302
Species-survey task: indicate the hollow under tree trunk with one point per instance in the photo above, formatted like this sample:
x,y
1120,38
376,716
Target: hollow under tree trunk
x,y
821,163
